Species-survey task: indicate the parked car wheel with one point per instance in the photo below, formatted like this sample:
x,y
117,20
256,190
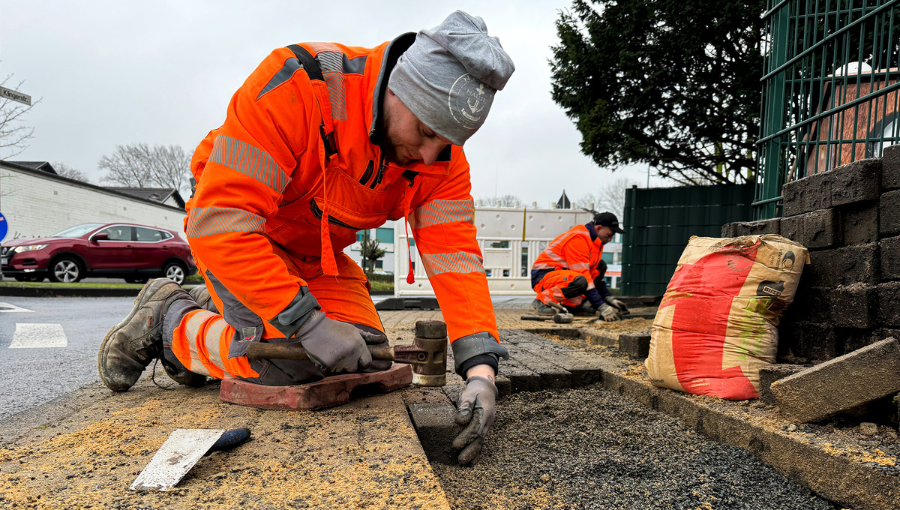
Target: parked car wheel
x,y
175,271
135,280
65,270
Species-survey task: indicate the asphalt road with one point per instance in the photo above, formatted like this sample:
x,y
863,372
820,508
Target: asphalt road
x,y
30,376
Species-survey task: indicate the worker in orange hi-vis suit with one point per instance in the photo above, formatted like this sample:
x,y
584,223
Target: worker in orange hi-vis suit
x,y
321,141
571,269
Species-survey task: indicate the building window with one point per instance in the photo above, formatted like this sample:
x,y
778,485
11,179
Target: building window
x,y
360,236
379,264
385,235
607,257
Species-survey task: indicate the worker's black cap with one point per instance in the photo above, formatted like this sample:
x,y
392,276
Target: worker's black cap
x,y
608,219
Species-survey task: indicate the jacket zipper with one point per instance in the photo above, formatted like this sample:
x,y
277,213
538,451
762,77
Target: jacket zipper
x,y
314,207
380,174
368,173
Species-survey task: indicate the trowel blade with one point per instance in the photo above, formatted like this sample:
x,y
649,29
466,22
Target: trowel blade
x,y
175,458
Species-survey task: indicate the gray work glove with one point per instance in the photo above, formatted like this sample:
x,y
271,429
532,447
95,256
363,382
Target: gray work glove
x,y
615,303
332,345
608,313
476,408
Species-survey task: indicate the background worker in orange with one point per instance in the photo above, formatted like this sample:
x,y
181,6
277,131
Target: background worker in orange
x,y
571,269
323,140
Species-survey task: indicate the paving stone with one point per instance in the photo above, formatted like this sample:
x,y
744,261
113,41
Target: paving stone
x,y
328,392
889,304
889,214
859,223
842,383
772,373
890,168
811,304
854,306
890,258
521,378
843,266
752,228
436,427
857,182
635,345
792,227
817,229
551,376
807,194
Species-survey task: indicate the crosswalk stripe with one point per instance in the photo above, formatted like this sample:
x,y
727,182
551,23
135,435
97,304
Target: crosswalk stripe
x,y
6,307
35,336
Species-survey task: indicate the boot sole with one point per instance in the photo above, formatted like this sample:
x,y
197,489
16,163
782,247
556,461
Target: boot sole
x,y
101,357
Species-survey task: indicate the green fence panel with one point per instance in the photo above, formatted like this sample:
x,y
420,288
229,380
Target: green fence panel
x,y
658,223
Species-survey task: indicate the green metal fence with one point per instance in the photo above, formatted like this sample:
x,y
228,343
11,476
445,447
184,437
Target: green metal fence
x,y
830,90
660,221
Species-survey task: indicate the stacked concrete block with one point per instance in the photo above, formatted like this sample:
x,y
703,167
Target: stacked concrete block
x,y
849,219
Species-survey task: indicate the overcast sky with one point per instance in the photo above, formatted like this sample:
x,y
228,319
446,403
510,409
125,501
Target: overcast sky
x,y
118,72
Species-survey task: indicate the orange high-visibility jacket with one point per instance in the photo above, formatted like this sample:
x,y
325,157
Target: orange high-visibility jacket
x,y
298,146
573,250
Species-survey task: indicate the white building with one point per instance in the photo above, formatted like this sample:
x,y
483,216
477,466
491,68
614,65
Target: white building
x,y
37,203
510,240
385,236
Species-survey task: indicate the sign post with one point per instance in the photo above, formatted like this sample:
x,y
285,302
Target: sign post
x,y
15,96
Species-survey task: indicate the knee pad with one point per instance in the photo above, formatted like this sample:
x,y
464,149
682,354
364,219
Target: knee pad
x,y
576,287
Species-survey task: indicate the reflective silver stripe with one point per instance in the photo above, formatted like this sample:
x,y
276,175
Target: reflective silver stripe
x,y
193,330
579,266
542,266
213,341
439,263
291,65
208,221
249,160
331,60
442,211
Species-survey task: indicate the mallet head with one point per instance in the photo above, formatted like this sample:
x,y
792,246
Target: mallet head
x,y
431,336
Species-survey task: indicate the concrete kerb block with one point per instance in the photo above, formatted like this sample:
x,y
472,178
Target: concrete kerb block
x,y
729,230
770,374
890,168
890,258
860,223
844,266
752,228
854,306
808,194
845,382
635,345
821,229
859,181
889,214
889,304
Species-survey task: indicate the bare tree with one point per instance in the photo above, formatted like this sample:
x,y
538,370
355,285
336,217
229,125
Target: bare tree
x,y
14,135
139,165
610,197
64,170
504,201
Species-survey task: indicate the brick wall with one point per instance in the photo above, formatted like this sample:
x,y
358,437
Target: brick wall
x,y
849,296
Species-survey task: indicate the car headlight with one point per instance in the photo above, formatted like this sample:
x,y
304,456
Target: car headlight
x,y
32,247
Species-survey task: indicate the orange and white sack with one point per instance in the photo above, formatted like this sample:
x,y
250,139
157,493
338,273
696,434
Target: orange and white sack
x,y
717,324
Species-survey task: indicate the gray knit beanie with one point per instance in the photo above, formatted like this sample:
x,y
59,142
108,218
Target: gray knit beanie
x,y
448,77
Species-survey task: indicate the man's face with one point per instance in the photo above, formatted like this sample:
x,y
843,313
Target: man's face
x,y
605,234
406,139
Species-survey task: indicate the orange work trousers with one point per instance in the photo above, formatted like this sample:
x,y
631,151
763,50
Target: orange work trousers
x,y
555,286
202,340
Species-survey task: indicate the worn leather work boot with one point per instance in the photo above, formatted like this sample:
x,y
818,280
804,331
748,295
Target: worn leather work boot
x,y
201,295
136,341
543,309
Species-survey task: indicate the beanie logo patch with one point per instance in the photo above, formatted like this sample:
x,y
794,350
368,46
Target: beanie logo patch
x,y
467,101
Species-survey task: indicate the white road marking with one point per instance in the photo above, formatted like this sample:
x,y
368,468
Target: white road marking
x,y
6,307
35,336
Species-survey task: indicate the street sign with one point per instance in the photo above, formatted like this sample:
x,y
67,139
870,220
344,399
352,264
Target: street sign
x,y
15,96
4,227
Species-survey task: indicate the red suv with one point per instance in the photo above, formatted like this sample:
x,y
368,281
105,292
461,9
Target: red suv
x,y
107,250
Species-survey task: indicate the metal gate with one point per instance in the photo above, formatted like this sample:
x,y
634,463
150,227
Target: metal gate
x,y
830,90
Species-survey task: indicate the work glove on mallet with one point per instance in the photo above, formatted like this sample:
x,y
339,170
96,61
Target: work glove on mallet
x,y
477,405
335,346
616,303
